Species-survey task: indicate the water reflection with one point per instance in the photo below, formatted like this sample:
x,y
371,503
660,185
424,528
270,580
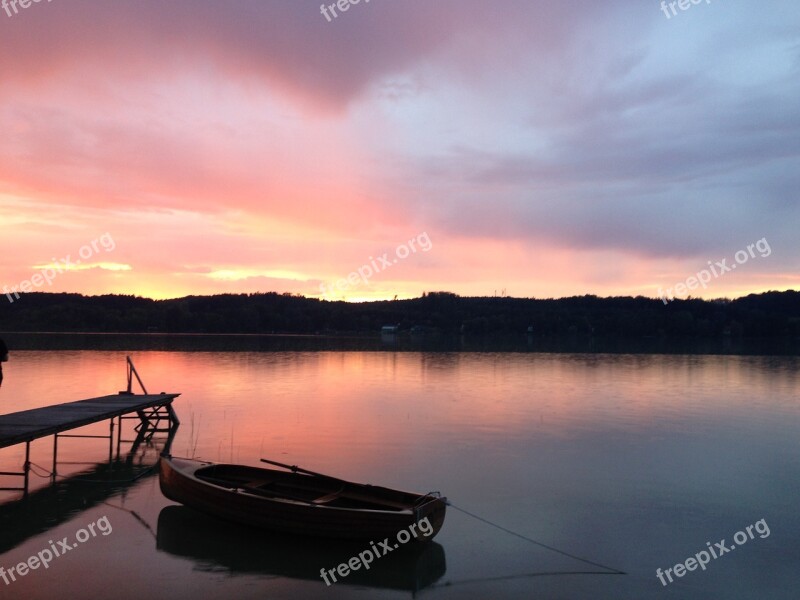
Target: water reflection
x,y
50,506
631,460
213,544
391,342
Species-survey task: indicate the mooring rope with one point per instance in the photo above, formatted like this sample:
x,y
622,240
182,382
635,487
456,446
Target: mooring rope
x,y
49,474
611,570
135,516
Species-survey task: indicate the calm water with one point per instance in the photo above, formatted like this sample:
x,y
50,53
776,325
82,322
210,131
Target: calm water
x,y
633,461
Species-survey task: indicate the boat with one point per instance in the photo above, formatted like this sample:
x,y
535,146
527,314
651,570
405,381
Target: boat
x,y
301,502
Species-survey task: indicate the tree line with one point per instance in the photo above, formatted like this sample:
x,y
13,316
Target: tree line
x,y
771,314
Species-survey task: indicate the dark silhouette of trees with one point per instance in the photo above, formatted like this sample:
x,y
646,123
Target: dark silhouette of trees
x,y
772,314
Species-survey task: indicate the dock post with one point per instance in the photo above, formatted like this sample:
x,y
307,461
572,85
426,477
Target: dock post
x,y
55,457
172,415
119,434
111,440
27,467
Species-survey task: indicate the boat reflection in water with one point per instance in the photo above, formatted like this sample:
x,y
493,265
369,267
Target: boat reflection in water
x,y
214,544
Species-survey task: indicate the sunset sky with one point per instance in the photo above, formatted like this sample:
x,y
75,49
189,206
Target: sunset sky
x,y
542,149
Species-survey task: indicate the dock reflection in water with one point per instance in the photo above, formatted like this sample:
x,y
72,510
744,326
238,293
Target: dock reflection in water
x,y
218,545
48,507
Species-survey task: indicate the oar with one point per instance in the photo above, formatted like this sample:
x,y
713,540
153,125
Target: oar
x,y
268,494
296,469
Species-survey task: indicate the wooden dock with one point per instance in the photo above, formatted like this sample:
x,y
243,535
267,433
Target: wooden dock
x,y
27,426
30,425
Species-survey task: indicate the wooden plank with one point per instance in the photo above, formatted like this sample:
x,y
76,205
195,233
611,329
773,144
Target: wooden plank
x,y
28,425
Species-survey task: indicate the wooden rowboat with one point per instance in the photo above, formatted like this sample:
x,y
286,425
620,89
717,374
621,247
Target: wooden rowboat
x,y
299,501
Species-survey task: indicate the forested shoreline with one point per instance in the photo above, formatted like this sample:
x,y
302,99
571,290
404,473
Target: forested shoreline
x,y
772,314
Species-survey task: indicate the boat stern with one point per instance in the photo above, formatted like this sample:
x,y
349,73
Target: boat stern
x,y
429,516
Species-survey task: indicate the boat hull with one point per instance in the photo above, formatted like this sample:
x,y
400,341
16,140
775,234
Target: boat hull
x,y
184,481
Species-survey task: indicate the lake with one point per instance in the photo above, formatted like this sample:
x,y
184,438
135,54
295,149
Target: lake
x,y
637,462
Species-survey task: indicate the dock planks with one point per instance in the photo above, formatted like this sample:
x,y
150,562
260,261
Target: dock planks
x,y
29,425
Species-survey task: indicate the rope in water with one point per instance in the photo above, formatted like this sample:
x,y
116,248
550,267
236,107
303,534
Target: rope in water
x,y
135,515
73,478
611,570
